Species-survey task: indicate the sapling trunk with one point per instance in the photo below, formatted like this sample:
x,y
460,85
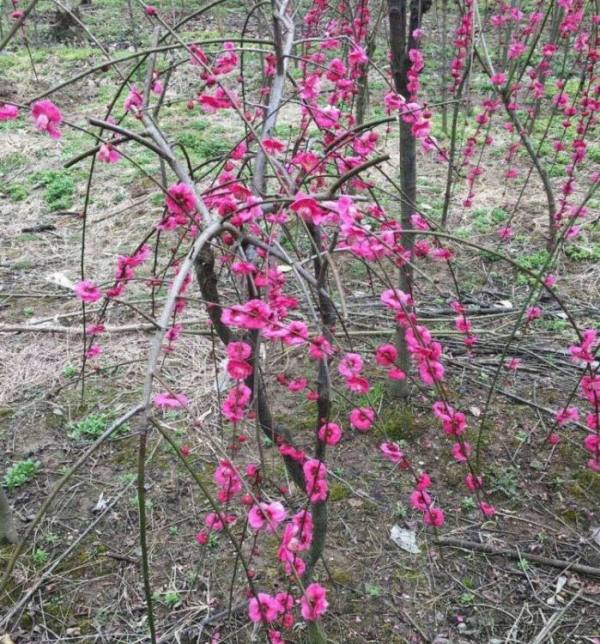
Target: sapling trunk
x,y
404,19
8,532
444,72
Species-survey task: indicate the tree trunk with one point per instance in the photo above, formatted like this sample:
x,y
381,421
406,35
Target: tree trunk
x,y
8,532
404,17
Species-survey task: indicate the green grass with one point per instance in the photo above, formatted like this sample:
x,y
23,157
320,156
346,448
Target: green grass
x,y
17,192
556,171
205,143
92,427
18,61
60,188
21,473
534,261
578,253
11,162
485,219
70,371
40,557
72,54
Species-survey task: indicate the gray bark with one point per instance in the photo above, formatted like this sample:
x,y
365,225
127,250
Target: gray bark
x,y
8,532
404,17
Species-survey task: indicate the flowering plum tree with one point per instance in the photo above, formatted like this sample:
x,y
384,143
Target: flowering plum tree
x,y
274,228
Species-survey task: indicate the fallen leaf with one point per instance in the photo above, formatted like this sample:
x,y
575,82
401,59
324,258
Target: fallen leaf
x,y
60,279
405,539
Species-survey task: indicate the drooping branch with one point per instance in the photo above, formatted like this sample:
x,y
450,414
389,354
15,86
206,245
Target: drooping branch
x,y
208,282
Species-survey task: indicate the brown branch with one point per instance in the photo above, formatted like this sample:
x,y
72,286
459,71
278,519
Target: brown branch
x,y
494,551
105,125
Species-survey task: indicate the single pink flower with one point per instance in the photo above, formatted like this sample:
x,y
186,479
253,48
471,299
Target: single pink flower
x,y
461,451
170,401
298,384
275,636
239,369
181,199
313,603
396,374
361,418
386,355
330,433
296,333
108,154
263,608
93,352
307,208
202,538
239,350
498,79
87,291
420,500
473,482
567,415
396,299
314,469
433,517
393,453
273,146
487,509
317,490
320,348
424,481
47,117
592,443
350,365
513,363
266,516
357,384
134,100
8,112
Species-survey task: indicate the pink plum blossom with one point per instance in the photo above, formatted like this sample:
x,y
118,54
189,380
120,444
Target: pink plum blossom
x,y
87,291
181,199
330,433
361,418
266,516
313,603
263,608
47,117
8,112
170,401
